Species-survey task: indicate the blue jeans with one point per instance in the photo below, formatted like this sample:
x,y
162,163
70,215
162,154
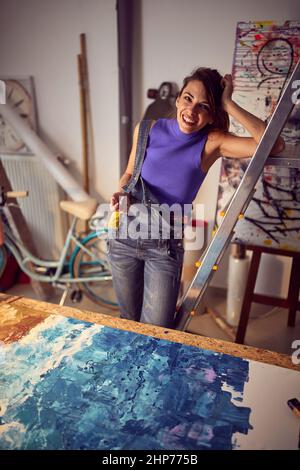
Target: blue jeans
x,y
146,278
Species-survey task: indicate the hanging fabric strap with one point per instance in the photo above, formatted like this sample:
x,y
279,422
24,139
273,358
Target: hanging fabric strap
x,y
144,130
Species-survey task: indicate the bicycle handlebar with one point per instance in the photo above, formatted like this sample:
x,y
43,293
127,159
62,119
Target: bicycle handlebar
x,y
4,195
16,194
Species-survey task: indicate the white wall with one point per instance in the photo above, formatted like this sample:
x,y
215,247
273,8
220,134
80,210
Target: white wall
x,y
41,38
177,36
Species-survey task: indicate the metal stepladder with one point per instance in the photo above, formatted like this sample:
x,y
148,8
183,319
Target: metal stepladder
x,y
240,201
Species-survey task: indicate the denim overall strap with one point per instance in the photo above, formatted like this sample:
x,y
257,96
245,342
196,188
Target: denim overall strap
x,y
144,130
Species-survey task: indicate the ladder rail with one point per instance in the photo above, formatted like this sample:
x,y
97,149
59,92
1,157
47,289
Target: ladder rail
x,y
239,202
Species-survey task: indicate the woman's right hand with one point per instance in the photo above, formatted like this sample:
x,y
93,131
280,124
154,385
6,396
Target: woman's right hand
x,y
227,85
120,201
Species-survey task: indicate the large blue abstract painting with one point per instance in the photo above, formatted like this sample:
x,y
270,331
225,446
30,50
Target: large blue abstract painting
x,y
69,384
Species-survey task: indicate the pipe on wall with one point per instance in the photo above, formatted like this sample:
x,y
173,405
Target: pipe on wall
x,y
125,12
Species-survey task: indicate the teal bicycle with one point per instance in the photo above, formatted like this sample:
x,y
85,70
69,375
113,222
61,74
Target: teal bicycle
x,y
82,267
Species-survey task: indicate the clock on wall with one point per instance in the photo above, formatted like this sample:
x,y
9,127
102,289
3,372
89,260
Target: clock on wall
x,y
19,94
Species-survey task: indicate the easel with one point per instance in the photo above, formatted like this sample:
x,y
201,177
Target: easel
x,y
43,291
291,302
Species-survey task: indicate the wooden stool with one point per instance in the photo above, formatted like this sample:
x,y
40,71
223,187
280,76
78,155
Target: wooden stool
x,y
291,302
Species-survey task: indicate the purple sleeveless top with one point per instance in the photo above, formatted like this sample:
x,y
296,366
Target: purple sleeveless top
x,y
171,167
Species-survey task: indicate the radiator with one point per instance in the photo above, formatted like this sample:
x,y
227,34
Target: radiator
x,y
41,208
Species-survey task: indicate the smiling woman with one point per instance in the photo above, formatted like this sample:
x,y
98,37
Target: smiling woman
x,y
193,108
201,96
168,163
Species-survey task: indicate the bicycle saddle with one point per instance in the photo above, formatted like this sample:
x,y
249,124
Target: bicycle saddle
x,y
83,210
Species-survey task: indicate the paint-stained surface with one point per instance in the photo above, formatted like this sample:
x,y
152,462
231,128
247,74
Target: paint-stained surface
x,y
98,382
68,384
265,55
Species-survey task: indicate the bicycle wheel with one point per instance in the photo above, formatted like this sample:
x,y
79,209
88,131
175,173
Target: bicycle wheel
x,y
91,261
3,259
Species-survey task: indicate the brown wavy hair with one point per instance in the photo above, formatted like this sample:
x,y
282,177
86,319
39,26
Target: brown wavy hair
x,y
211,80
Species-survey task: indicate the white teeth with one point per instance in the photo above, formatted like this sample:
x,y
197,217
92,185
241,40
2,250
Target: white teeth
x,y
188,120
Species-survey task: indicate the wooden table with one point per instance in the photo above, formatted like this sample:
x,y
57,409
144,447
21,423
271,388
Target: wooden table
x,y
69,384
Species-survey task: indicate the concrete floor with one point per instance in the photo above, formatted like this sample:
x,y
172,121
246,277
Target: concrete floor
x,y
267,327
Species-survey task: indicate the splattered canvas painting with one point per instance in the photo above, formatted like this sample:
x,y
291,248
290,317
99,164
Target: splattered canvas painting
x,y
69,384
265,55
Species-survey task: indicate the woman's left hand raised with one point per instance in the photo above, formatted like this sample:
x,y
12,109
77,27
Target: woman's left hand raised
x,y
227,85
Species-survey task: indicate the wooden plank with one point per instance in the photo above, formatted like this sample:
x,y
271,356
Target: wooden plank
x,y
270,300
9,299
83,84
221,323
249,292
272,251
40,309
